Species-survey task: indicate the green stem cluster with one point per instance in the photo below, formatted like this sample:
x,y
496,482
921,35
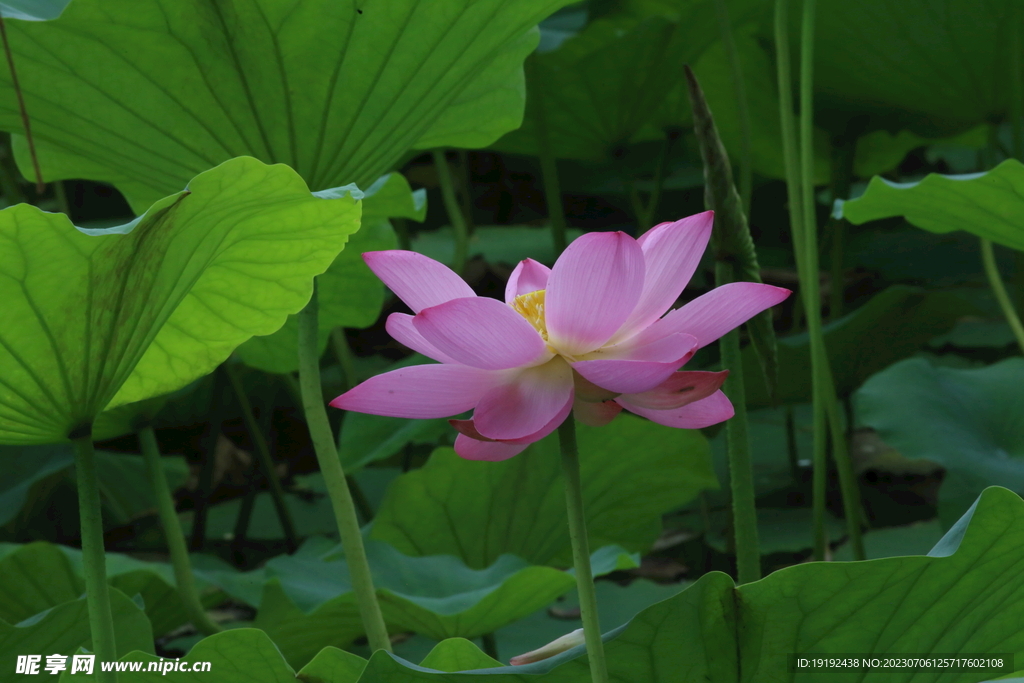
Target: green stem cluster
x,y
581,550
97,594
334,478
173,534
741,471
799,163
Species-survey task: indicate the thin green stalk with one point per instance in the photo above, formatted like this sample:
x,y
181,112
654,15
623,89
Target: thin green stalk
x,y
790,151
844,151
334,478
741,473
742,107
548,165
995,281
266,463
97,595
464,190
25,121
343,353
172,532
581,550
451,206
824,390
808,271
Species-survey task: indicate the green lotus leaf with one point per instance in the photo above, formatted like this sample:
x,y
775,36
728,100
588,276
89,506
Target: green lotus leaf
x,y
912,539
32,10
615,82
241,655
935,67
22,594
23,467
95,319
894,324
617,604
332,665
339,91
965,420
349,294
457,654
989,205
964,598
65,628
877,151
307,602
632,471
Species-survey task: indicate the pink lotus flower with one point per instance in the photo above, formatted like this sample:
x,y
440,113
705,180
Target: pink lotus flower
x,y
588,335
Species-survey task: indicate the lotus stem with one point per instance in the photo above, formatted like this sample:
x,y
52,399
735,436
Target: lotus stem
x,y
451,205
995,281
819,361
741,472
97,594
581,550
172,532
266,463
548,166
800,185
334,478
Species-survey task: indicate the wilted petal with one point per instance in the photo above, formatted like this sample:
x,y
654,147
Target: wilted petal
x,y
697,415
526,404
672,252
593,288
639,368
529,276
481,332
555,647
422,391
400,327
595,413
678,390
419,281
711,315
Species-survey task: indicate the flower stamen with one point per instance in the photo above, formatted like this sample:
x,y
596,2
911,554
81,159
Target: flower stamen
x,y
531,307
